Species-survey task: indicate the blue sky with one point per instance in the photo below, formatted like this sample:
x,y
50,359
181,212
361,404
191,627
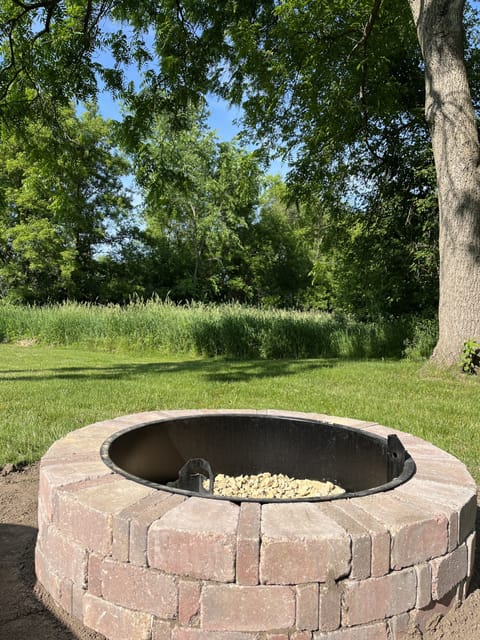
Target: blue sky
x,y
222,120
222,116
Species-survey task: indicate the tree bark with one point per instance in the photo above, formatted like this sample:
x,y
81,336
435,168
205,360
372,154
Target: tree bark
x,y
452,122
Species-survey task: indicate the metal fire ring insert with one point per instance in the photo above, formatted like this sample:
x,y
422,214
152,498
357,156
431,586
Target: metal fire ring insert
x,y
178,454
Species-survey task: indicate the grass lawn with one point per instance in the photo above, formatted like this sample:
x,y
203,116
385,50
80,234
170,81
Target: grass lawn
x,y
47,391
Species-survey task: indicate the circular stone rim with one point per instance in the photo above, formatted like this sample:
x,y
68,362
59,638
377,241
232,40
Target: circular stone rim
x,y
409,467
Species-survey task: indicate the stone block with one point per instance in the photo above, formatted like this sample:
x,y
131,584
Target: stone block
x,y
458,503
377,631
449,571
66,558
114,622
188,600
161,630
85,513
378,598
94,574
197,539
77,601
379,535
399,627
307,606
46,575
424,585
248,544
300,544
330,606
416,536
201,634
244,608
361,540
135,521
139,589
64,473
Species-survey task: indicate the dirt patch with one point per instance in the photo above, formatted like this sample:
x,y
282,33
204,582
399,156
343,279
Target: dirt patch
x,y
27,612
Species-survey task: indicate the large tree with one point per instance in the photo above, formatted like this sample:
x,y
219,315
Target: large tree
x,y
200,198
453,126
62,202
321,80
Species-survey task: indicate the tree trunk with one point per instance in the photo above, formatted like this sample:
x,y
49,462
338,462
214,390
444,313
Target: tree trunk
x,y
452,122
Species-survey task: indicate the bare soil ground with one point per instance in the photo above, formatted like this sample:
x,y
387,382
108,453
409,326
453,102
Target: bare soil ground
x,y
28,613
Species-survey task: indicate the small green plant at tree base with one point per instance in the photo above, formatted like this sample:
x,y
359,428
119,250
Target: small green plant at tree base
x,y
470,356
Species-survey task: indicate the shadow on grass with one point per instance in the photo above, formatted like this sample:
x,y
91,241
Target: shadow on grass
x,y
218,370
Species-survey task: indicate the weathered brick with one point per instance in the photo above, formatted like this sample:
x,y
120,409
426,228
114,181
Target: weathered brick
x,y
449,571
248,544
442,469
161,630
94,575
330,605
379,535
239,608
142,417
77,601
361,540
130,526
197,539
382,430
416,536
201,634
400,628
377,598
114,622
46,575
300,544
63,473
354,423
67,559
139,589
120,539
188,600
424,585
377,631
66,594
456,501
81,443
85,514
307,606
428,503
276,636
301,635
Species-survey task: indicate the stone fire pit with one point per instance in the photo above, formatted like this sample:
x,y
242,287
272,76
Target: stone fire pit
x,y
137,563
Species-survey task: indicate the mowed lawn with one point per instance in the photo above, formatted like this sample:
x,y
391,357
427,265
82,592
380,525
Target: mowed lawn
x,y
46,392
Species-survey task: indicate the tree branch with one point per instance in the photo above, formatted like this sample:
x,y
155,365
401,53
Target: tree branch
x,y
363,45
367,29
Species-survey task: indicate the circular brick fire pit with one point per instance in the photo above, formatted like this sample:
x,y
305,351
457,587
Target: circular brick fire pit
x,y
135,562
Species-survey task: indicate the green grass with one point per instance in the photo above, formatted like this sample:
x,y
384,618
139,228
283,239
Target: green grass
x,y
46,392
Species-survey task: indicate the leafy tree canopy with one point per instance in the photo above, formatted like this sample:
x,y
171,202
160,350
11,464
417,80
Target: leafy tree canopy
x,y
61,201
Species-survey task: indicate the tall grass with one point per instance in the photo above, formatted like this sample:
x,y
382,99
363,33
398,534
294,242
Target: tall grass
x,y
228,330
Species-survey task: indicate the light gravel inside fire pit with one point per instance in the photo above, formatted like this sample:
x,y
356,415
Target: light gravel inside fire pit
x,y
271,485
